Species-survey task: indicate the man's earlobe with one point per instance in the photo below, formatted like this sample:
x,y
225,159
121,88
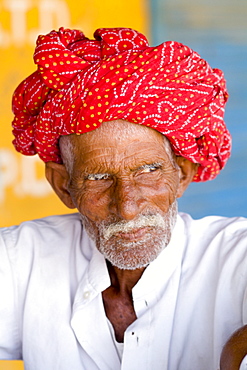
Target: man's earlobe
x,y
187,172
58,178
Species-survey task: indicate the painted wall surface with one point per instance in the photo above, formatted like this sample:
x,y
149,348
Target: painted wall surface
x,y
11,365
24,192
218,31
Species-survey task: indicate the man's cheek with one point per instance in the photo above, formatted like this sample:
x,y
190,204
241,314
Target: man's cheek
x,y
164,198
93,210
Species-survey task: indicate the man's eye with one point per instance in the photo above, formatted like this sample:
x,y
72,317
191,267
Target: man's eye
x,y
98,176
150,168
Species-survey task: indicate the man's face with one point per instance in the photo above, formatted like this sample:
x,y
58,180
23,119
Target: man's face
x,y
124,184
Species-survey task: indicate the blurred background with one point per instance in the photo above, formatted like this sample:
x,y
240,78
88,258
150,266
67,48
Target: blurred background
x,y
216,29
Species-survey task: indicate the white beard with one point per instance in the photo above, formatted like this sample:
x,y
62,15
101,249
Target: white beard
x,y
133,254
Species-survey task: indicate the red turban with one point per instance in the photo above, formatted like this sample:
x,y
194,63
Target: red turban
x,y
81,83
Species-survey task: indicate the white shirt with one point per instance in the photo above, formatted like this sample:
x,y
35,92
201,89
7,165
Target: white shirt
x,y
188,301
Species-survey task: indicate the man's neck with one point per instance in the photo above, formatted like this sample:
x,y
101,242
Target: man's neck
x,y
122,280
117,298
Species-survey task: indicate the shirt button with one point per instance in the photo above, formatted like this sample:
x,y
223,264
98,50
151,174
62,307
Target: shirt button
x,y
86,295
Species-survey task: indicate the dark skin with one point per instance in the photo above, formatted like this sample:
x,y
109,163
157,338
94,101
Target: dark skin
x,y
234,350
118,301
129,190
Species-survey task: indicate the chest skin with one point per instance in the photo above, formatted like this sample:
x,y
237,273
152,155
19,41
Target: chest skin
x,y
117,299
119,310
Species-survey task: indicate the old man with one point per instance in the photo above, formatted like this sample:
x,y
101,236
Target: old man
x,y
127,282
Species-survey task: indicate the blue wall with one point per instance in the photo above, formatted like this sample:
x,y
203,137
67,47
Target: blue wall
x,y
217,30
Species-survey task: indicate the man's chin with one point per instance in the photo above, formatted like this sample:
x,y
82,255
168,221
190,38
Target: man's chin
x,y
128,261
133,254
133,244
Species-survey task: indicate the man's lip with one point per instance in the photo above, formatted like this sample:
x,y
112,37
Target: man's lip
x,y
132,235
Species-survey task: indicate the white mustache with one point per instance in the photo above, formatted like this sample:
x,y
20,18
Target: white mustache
x,y
128,226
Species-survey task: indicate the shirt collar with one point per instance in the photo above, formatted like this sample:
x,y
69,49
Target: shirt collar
x,y
163,267
96,279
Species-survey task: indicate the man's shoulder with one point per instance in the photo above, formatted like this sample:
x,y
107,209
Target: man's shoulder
x,y
48,221
215,224
47,228
216,234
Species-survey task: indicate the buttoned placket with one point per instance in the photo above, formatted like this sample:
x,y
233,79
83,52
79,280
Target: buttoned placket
x,y
88,318
147,340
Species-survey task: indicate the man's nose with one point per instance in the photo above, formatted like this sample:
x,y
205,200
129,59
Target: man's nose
x,y
127,201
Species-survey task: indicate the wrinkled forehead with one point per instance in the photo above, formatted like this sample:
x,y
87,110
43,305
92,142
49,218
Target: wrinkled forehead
x,y
114,135
118,131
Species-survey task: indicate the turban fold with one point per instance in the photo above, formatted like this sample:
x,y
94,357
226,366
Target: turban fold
x,y
80,83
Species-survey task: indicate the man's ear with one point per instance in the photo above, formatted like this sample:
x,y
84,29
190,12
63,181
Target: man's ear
x,y
187,172
58,177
